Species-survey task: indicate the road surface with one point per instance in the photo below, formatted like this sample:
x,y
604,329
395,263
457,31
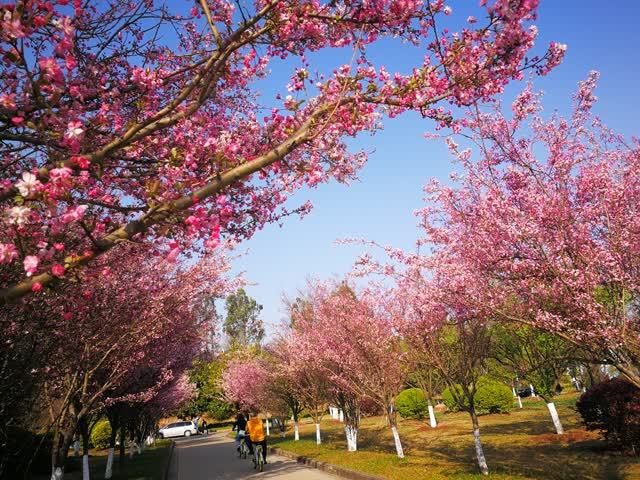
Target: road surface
x,y
214,457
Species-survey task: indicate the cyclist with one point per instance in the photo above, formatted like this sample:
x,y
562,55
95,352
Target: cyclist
x,y
240,425
255,430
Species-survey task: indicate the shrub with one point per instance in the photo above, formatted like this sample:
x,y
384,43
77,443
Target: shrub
x,y
491,397
411,403
613,408
101,434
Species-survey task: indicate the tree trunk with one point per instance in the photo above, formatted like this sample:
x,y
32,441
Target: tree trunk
x,y
341,416
352,438
122,447
396,439
554,418
318,438
85,450
533,391
85,468
59,453
267,425
296,431
482,461
108,472
519,401
432,417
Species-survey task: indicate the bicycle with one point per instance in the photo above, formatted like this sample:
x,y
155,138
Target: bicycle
x,y
258,460
244,450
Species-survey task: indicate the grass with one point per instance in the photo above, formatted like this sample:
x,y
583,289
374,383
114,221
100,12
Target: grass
x,y
148,466
519,445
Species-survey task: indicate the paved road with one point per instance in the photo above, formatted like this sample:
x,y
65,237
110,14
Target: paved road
x,y
214,457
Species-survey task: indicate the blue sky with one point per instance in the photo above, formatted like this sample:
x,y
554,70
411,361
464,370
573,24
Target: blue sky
x,y
379,206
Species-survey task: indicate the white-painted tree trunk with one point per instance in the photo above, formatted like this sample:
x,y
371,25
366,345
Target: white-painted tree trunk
x,y
56,474
396,438
432,417
482,461
85,467
138,448
519,401
267,424
514,391
341,416
132,450
533,391
352,438
108,472
76,448
296,431
318,438
554,417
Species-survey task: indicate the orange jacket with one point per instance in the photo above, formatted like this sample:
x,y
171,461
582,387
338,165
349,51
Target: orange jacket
x,y
255,429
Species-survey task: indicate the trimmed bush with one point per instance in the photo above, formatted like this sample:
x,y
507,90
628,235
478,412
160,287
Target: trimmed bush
x,y
612,407
411,403
491,397
101,434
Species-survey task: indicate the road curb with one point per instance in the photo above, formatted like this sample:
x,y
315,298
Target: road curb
x,y
336,470
165,476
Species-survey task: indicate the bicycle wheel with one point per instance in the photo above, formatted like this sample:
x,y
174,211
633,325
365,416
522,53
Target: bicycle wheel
x,y
260,458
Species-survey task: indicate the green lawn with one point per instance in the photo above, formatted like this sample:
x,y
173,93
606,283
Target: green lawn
x,y
519,445
148,466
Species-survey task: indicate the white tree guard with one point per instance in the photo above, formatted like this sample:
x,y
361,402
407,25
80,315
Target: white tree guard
x,y
519,401
267,425
432,417
482,461
85,468
132,450
514,391
341,416
108,472
352,438
318,438
296,431
396,439
554,417
533,391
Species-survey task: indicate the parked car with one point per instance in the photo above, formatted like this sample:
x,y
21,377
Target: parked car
x,y
524,392
178,429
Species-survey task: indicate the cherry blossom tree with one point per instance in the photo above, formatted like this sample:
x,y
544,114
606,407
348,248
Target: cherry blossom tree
x,y
542,228
105,337
307,381
142,121
245,381
352,338
539,231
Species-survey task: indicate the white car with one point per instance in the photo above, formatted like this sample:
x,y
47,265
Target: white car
x,y
178,429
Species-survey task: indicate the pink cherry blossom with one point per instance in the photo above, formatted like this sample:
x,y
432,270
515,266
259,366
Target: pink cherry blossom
x,y
28,184
31,264
57,270
8,252
19,215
